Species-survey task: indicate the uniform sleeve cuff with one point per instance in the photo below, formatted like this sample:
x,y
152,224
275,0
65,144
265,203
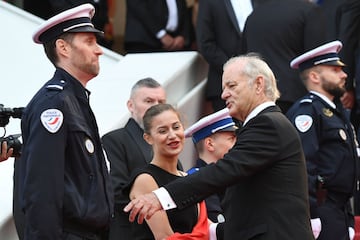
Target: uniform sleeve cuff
x,y
161,33
165,199
212,231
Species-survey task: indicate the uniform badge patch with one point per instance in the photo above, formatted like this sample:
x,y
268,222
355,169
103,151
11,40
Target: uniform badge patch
x,y
303,122
89,145
327,112
342,134
52,119
220,218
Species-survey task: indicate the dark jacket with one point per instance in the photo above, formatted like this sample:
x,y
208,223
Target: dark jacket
x,y
218,38
266,181
213,202
62,177
126,151
144,19
330,149
48,8
281,30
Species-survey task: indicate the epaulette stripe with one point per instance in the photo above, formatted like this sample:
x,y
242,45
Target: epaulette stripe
x,y
306,100
55,86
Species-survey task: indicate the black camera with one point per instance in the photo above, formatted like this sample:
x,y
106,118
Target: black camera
x,y
6,113
13,141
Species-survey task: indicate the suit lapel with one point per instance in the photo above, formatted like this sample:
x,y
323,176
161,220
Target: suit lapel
x,y
231,13
267,109
136,133
256,3
270,109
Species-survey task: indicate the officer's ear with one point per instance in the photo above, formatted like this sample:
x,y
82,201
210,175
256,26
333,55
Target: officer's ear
x,y
62,47
314,75
209,144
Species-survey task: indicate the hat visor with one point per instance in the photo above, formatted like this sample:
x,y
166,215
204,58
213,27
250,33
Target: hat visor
x,y
87,29
334,63
229,129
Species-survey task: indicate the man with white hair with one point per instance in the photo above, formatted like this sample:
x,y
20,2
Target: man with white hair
x,y
264,173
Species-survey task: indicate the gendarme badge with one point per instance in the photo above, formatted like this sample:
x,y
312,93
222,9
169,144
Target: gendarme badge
x,y
52,119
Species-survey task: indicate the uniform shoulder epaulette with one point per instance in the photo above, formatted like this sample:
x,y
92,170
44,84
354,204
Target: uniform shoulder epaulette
x,y
306,100
58,87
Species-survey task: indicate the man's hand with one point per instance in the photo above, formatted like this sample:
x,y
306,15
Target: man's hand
x,y
167,42
144,206
179,43
5,153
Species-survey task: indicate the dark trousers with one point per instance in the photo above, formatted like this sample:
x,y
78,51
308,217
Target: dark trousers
x,y
334,222
18,215
74,236
120,227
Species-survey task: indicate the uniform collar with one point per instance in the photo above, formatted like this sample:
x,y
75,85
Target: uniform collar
x,y
79,89
326,99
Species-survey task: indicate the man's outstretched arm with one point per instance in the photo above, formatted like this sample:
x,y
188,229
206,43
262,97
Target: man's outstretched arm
x,y
146,205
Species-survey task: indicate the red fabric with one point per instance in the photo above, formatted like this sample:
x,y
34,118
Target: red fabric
x,y
357,228
200,230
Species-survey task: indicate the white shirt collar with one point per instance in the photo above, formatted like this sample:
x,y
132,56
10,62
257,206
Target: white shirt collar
x,y
326,99
242,9
258,109
172,23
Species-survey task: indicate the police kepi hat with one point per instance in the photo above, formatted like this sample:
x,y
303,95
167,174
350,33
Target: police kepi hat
x,y
77,19
217,122
326,54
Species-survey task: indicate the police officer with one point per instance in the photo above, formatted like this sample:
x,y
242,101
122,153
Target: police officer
x,y
62,182
328,140
212,136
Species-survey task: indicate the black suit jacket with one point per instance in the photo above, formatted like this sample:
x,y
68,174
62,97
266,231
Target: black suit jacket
x,y
281,30
126,150
266,180
144,19
218,38
48,8
348,28
331,9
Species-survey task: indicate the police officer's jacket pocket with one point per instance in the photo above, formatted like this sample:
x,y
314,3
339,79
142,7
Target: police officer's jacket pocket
x,y
82,162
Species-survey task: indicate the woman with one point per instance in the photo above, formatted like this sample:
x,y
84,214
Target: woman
x,y
164,131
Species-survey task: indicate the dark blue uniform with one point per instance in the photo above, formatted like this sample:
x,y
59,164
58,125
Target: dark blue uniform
x,y
63,182
213,202
330,149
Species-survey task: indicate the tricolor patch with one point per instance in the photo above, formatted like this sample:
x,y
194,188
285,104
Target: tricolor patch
x,y
52,120
303,122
